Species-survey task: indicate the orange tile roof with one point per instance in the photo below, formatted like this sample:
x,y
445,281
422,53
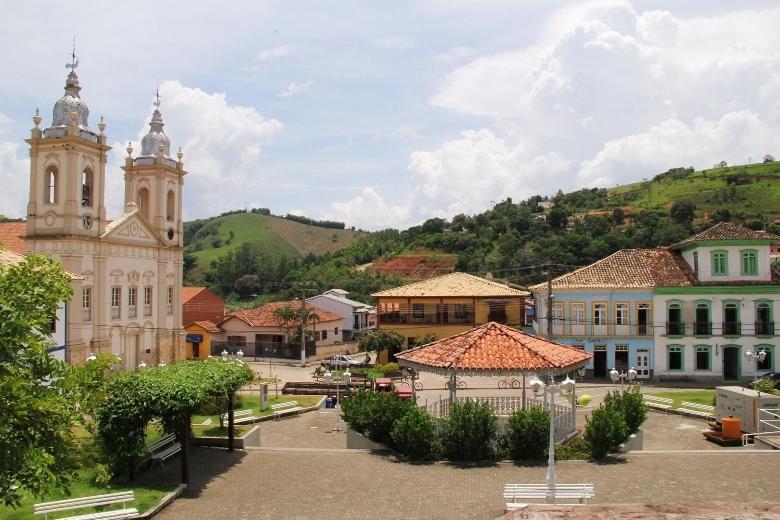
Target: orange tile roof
x,y
12,258
628,269
494,348
11,234
453,284
265,316
207,325
188,293
727,231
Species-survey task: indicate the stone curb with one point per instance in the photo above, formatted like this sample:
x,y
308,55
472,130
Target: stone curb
x,y
162,504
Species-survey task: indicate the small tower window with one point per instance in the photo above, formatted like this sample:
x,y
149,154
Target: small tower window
x,y
143,202
169,206
86,188
51,185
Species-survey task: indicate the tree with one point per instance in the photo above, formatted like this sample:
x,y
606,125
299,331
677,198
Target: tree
x,y
381,339
618,215
682,211
247,285
768,158
37,447
557,218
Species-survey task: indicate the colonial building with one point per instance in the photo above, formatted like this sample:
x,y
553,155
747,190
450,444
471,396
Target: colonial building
x,y
448,305
606,308
355,313
131,267
687,312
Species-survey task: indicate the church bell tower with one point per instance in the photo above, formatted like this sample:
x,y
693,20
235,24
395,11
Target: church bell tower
x,y
154,181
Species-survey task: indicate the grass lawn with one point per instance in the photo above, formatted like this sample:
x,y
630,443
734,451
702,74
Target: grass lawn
x,y
216,431
253,402
146,497
694,396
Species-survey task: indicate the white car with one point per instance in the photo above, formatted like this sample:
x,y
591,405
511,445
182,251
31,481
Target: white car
x,y
343,360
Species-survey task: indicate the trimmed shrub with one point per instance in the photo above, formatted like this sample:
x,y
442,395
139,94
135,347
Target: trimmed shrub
x,y
630,404
527,434
575,449
605,429
414,435
763,385
374,414
469,432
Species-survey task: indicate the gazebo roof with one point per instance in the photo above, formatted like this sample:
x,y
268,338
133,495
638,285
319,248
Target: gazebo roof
x,y
494,348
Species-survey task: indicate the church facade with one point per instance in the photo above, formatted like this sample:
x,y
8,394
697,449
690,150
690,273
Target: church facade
x,y
126,301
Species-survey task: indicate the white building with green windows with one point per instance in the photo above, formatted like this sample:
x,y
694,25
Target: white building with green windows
x,y
731,306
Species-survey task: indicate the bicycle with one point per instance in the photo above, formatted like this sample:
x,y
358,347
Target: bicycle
x,y
417,383
507,383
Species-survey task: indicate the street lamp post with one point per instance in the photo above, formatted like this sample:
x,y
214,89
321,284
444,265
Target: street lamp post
x,y
630,375
566,387
757,357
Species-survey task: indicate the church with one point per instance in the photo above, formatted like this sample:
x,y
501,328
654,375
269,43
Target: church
x,y
129,269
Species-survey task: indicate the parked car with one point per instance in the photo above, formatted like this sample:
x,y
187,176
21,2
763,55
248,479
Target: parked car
x,y
341,361
385,384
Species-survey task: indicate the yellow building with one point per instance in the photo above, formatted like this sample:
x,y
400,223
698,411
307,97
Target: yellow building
x,y
199,338
448,305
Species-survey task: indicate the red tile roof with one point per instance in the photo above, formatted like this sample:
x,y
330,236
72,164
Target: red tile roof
x,y
494,348
11,234
265,315
453,284
628,269
188,293
206,325
727,231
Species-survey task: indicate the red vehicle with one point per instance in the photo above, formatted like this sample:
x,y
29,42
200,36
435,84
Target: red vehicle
x,y
385,384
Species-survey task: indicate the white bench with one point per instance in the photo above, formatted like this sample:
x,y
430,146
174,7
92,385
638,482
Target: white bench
x,y
237,414
661,403
515,493
45,508
161,443
245,419
701,410
286,404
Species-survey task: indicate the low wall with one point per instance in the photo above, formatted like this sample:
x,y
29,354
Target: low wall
x,y
634,442
327,351
358,441
252,438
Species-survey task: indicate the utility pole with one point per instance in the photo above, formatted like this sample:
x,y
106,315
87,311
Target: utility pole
x,y
549,303
303,328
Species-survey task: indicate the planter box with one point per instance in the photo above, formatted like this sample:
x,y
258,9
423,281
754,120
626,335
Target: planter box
x,y
252,438
634,442
358,441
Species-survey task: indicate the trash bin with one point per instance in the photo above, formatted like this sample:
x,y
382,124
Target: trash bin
x,y
329,402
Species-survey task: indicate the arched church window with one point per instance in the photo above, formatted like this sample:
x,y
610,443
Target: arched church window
x,y
169,206
143,202
50,195
86,187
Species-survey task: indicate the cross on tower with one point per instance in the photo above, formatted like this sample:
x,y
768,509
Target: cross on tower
x,y
157,99
74,61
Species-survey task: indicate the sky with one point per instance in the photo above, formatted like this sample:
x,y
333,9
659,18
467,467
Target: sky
x,y
385,114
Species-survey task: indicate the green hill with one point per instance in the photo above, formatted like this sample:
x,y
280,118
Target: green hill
x,y
210,239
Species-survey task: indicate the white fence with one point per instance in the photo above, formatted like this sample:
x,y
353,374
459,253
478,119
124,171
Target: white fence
x,y
563,416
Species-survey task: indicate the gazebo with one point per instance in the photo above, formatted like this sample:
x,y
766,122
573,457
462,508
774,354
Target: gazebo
x,y
493,350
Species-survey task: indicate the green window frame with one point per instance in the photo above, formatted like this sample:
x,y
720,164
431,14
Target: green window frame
x,y
702,328
702,358
696,263
675,353
675,328
732,328
769,362
720,263
764,327
749,262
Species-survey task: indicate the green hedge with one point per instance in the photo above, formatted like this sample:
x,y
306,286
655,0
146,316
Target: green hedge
x,y
527,434
469,432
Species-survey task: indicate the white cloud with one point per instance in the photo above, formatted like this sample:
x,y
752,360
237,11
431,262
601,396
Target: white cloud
x,y
462,176
297,212
399,42
295,88
732,138
15,178
268,55
454,54
222,145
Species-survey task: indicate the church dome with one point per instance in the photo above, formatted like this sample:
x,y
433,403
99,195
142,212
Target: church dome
x,y
71,102
155,138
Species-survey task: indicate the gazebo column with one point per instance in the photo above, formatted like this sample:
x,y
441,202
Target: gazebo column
x,y
452,384
522,405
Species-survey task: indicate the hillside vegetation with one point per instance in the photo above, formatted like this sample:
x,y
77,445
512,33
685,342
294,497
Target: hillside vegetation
x,y
512,241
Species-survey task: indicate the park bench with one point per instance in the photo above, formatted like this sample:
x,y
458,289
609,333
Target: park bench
x,y
661,403
700,410
163,449
46,508
287,408
516,494
238,414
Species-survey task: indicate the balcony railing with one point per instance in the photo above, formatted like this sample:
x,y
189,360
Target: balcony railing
x,y
644,329
675,328
427,318
702,328
115,313
732,328
263,349
147,310
86,314
131,311
765,328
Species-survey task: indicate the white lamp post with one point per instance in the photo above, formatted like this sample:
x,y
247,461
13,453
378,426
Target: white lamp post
x,y
224,354
630,375
566,387
91,357
142,365
757,357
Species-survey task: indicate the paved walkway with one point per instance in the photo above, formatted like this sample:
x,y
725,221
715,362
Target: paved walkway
x,y
334,484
